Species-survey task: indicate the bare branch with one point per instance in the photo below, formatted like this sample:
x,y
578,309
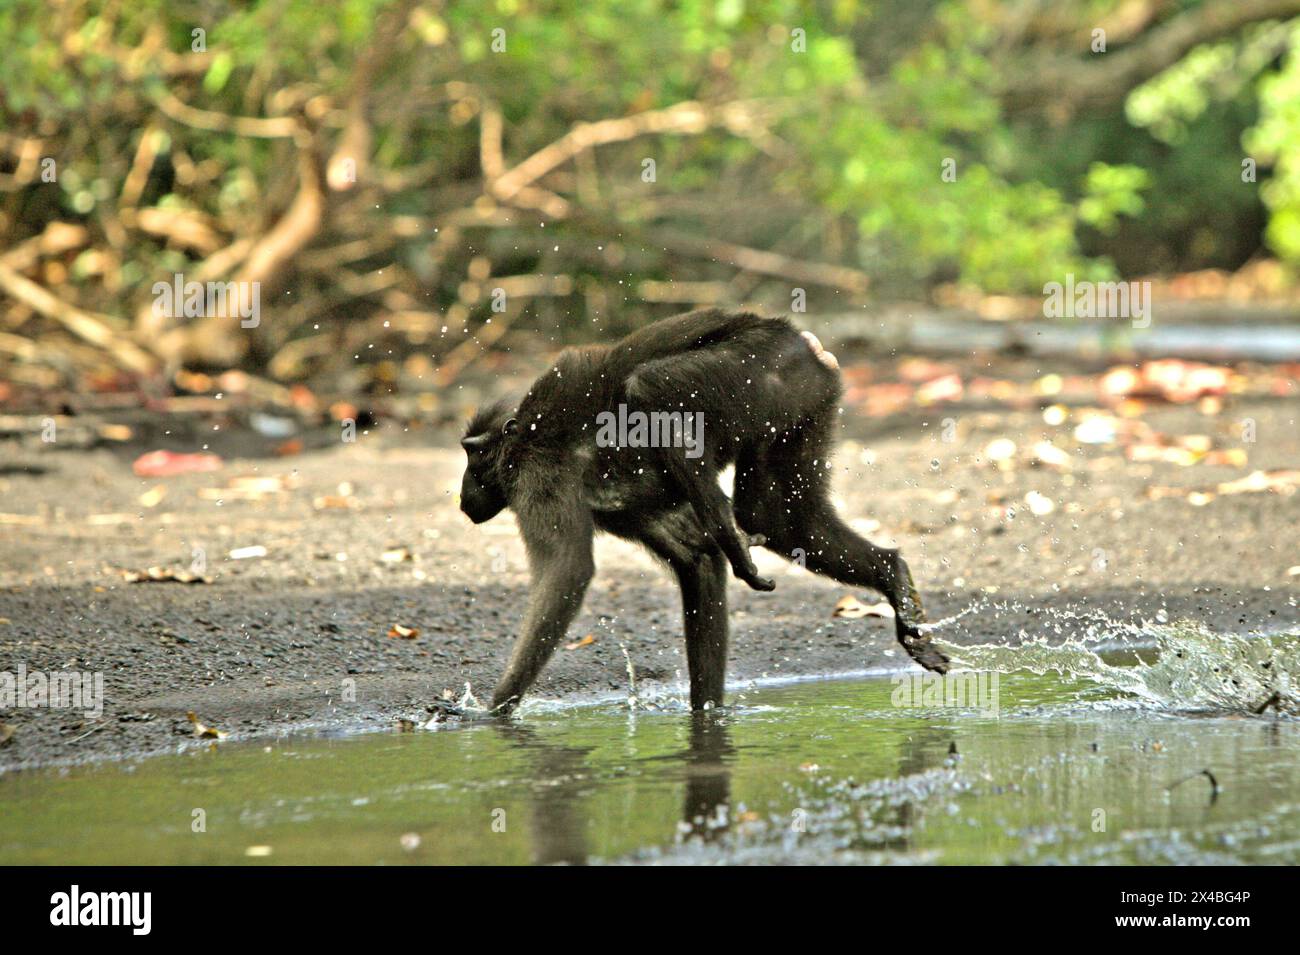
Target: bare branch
x,y
764,262
279,127
683,118
95,329
1066,84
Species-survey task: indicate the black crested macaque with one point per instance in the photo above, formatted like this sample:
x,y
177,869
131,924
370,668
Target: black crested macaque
x,y
768,398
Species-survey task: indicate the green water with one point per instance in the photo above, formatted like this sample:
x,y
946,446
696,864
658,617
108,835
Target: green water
x,y
823,771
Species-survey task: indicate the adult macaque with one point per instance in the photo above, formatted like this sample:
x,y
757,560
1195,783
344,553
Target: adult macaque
x,y
768,395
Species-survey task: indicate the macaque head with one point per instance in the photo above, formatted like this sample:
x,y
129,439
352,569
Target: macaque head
x,y
483,489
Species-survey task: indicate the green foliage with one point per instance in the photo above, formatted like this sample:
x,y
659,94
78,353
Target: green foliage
x,y
1112,191
1276,141
855,146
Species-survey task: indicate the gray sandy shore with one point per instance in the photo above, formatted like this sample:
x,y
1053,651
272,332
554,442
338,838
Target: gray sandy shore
x,y
361,537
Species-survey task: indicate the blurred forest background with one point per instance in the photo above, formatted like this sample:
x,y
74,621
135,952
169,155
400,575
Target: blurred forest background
x,y
421,187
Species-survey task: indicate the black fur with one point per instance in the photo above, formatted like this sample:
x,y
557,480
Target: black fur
x,y
769,407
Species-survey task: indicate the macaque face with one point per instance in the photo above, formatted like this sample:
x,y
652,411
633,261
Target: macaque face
x,y
481,495
479,501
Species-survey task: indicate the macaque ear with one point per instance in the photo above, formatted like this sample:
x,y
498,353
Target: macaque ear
x,y
511,426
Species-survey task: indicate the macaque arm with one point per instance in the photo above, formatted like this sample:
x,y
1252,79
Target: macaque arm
x,y
660,384
557,533
714,511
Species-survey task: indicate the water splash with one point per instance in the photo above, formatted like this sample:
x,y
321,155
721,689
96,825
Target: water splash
x,y
949,621
447,711
1194,669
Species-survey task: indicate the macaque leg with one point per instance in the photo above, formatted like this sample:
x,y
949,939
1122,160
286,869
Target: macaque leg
x,y
781,491
701,572
704,612
834,550
715,513
559,553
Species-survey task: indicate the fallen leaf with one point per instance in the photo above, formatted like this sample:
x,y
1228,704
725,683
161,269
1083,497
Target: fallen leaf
x,y
1000,451
1049,454
111,520
1097,429
850,607
300,396
1055,415
24,519
1120,381
1282,482
1229,458
946,388
251,487
334,502
406,633
164,575
6,733
1157,453
918,370
115,432
169,463
153,497
1039,504
202,731
1049,385
1170,379
584,642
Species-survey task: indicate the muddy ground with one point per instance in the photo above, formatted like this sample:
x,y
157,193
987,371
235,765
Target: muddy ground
x,y
270,643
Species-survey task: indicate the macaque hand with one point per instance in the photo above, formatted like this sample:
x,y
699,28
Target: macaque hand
x,y
445,711
744,568
749,574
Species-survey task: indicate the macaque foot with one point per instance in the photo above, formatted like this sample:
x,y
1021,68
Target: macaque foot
x,y
908,617
921,648
749,574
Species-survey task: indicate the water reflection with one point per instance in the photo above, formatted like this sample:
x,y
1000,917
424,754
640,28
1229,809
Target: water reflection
x,y
706,808
560,792
826,772
557,811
